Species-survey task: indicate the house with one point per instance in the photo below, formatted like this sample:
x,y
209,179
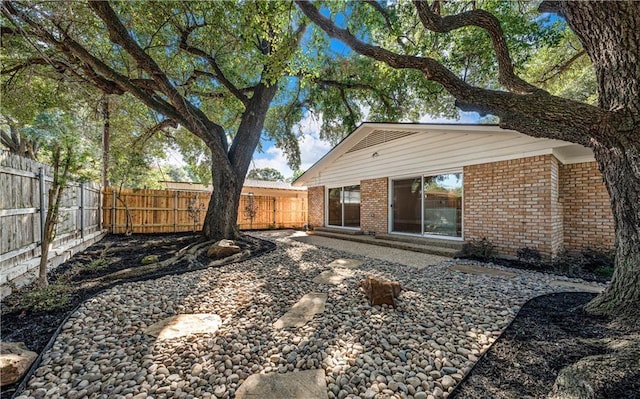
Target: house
x,y
460,182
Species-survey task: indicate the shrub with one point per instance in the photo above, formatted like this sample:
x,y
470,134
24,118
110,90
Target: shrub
x,y
604,271
529,255
481,249
46,298
591,260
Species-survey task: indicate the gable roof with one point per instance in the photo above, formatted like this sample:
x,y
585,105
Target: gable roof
x,y
472,144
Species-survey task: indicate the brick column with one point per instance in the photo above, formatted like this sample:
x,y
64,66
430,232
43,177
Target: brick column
x,y
374,205
316,206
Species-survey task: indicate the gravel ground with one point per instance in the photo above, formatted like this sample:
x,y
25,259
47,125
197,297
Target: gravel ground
x,y
421,349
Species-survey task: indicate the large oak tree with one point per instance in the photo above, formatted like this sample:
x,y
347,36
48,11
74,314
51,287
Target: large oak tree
x,y
212,68
610,36
224,73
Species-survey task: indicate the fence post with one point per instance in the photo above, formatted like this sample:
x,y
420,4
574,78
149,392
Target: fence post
x,y
99,208
275,216
43,208
81,210
175,211
113,212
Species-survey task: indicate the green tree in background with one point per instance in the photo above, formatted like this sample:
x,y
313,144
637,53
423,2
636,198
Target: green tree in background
x,y
269,174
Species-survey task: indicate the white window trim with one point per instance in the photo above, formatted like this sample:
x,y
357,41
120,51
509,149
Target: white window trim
x,y
390,180
326,208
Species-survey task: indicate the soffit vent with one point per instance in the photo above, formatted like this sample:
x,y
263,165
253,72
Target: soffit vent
x,y
378,137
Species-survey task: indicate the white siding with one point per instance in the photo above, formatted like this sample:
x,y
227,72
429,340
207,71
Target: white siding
x,y
428,152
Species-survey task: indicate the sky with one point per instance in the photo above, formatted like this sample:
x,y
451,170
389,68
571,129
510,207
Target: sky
x,y
312,148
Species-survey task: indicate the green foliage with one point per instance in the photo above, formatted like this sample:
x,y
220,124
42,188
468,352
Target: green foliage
x,y
587,260
269,174
480,249
98,264
44,298
605,271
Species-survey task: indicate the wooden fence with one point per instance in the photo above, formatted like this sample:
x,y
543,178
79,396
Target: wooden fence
x,y
24,185
168,211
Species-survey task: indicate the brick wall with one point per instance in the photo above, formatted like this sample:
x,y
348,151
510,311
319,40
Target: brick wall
x,y
588,221
316,206
374,205
510,203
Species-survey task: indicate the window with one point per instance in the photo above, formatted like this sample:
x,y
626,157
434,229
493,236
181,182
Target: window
x,y
428,205
344,206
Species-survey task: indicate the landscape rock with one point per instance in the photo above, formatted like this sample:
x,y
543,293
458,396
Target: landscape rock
x,y
380,292
149,259
105,344
15,360
223,249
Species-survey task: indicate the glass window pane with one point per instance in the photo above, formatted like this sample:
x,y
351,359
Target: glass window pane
x,y
351,196
443,205
406,205
335,207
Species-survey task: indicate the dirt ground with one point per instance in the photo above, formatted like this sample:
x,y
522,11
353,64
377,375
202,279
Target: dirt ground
x,y
548,334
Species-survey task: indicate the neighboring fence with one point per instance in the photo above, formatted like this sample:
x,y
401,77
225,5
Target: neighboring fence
x,y
168,211
24,185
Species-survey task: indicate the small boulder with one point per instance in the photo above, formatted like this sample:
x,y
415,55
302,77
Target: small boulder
x,y
380,292
222,249
149,259
15,360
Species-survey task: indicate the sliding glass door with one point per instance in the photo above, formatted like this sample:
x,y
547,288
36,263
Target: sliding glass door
x,y
428,205
344,206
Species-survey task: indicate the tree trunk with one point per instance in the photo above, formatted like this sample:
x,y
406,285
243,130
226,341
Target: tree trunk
x,y
610,35
621,172
229,174
222,214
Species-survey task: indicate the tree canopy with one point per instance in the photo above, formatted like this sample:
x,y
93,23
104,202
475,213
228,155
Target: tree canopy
x,y
269,174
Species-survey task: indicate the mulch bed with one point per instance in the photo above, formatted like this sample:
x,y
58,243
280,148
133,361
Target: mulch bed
x,y
549,333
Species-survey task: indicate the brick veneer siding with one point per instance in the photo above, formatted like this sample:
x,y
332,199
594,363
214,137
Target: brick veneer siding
x,y
510,203
588,221
374,205
316,206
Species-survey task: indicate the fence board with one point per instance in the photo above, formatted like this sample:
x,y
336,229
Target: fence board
x,y
21,212
166,211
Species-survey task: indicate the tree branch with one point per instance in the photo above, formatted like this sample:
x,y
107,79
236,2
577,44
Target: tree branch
x,y
560,68
189,115
487,21
538,104
219,75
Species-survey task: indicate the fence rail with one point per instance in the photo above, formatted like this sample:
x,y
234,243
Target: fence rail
x,y
167,211
24,184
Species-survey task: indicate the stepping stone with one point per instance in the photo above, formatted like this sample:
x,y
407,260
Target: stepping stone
x,y
345,263
184,324
310,384
302,311
479,270
334,276
15,360
577,286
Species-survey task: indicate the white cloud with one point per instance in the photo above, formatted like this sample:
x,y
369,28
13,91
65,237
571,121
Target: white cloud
x,y
312,148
